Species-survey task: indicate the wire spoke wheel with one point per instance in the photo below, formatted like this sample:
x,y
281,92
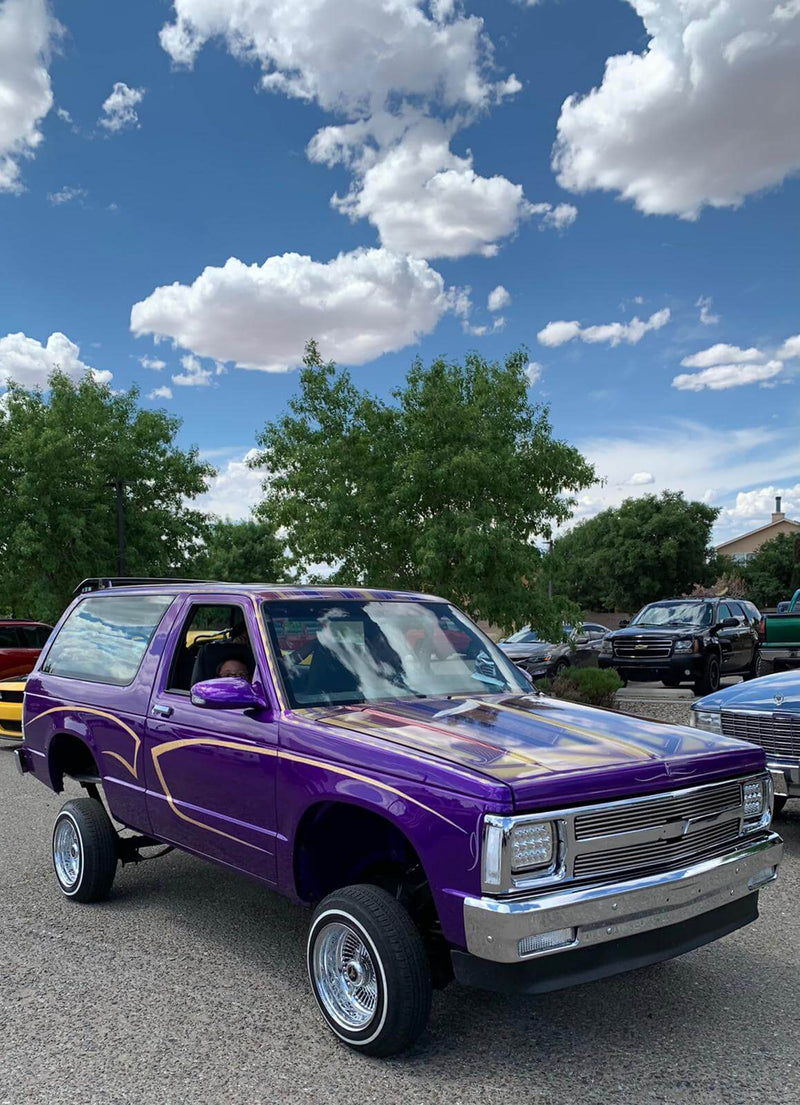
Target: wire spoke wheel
x,y
67,856
345,976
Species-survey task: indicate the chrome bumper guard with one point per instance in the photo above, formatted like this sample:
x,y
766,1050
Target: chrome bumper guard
x,y
503,930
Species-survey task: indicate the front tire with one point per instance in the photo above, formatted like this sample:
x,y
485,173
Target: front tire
x,y
84,850
709,680
369,970
671,683
778,802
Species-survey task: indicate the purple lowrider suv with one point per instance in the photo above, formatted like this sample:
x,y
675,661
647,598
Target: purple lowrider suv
x,y
373,755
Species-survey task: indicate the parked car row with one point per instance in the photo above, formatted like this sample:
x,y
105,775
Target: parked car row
x,y
541,659
397,773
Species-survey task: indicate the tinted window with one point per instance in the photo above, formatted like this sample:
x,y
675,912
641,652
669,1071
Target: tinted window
x,y
104,639
675,613
34,636
736,611
8,637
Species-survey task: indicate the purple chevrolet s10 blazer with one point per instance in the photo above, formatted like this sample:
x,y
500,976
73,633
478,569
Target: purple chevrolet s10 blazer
x,y
374,755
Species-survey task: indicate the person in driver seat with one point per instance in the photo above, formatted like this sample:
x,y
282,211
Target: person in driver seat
x,y
233,669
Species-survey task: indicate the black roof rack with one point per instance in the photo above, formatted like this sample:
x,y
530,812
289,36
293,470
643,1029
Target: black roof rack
x,y
102,583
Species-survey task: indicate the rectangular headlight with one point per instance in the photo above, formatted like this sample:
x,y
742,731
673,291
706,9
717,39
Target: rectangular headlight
x,y
532,845
753,799
706,719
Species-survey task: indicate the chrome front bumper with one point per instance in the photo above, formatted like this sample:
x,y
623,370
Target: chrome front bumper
x,y
597,914
785,777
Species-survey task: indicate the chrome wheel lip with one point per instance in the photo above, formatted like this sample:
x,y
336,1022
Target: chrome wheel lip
x,y
345,976
67,853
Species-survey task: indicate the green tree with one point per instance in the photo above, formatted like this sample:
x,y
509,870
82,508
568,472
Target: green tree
x,y
241,552
445,490
773,574
652,547
59,452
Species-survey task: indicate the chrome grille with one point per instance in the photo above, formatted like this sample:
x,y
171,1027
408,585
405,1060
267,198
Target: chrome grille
x,y
656,853
651,813
644,648
778,734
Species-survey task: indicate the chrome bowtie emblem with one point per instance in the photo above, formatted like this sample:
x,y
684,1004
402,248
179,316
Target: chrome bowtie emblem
x,y
779,700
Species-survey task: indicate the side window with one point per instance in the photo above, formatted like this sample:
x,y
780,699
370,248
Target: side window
x,y
736,611
8,637
104,639
34,636
723,612
213,643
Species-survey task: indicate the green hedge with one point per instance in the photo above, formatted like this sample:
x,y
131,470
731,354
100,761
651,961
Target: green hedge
x,y
589,685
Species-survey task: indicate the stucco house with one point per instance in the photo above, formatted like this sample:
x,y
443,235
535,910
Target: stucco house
x,y
743,548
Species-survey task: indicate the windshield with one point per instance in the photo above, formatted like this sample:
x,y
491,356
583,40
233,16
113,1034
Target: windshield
x,y
347,652
523,636
675,613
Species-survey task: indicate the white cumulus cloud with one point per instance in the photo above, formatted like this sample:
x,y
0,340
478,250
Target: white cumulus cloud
x,y
27,33
194,375
152,363
639,479
533,370
705,115
499,298
612,333
707,317
163,392
759,503
790,348
405,76
119,108
26,361
235,489
723,376
722,354
358,306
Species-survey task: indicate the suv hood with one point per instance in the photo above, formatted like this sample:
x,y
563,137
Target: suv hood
x,y
548,751
645,631
758,694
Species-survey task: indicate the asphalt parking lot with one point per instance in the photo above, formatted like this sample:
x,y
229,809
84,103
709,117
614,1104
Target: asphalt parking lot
x,y
189,986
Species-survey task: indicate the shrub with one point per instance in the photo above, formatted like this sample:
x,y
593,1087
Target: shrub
x,y
588,685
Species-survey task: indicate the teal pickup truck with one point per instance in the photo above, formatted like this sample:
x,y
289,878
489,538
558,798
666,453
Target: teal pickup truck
x,y
779,647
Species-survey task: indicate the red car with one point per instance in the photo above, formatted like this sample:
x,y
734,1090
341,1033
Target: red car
x,y
20,644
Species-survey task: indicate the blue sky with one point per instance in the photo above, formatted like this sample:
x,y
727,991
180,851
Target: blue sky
x,y
673,196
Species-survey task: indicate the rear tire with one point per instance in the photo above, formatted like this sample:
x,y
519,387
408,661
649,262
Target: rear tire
x,y
709,680
84,850
369,970
764,667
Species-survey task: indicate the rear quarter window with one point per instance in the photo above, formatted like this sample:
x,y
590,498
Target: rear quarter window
x,y
104,639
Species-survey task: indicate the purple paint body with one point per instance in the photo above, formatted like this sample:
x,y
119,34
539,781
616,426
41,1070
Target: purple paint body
x,y
237,785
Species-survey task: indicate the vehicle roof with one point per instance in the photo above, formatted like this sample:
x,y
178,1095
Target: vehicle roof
x,y
23,621
671,602
268,591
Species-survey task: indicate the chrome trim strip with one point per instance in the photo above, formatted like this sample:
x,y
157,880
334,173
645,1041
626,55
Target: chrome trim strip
x,y
599,914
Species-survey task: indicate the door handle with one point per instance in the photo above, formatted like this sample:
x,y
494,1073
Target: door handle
x,y
161,711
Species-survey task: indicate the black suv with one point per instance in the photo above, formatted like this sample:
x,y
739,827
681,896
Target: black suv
x,y
685,641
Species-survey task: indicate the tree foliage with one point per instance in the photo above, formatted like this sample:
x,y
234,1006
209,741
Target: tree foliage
x,y
649,548
241,552
446,489
59,452
773,574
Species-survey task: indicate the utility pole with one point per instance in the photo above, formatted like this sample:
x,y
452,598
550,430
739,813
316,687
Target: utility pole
x,y
119,487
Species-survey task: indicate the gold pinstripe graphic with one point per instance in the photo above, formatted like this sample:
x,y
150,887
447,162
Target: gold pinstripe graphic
x,y
137,740
578,730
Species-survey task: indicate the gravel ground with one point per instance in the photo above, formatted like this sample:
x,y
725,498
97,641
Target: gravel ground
x,y
675,711
189,986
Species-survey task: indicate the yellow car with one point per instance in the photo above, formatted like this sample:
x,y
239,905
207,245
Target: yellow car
x,y
11,691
